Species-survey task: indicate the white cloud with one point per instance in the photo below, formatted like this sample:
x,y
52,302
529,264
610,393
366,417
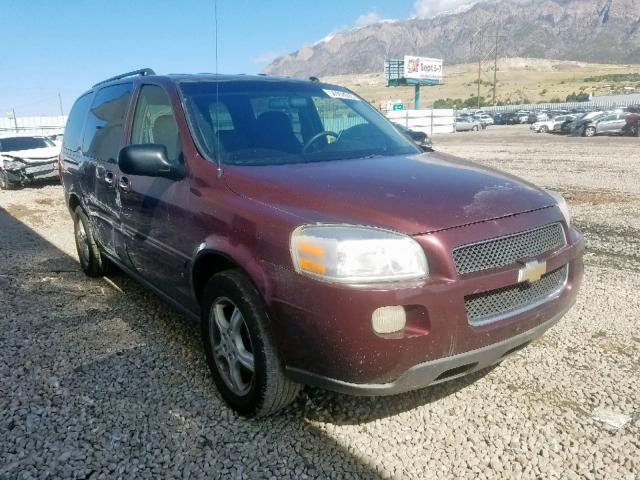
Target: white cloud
x,y
367,19
433,8
266,57
370,18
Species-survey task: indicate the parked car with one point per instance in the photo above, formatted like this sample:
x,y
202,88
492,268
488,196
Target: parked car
x,y
24,159
552,125
477,118
485,118
568,125
311,251
512,118
537,117
499,119
632,122
609,124
56,138
467,123
419,138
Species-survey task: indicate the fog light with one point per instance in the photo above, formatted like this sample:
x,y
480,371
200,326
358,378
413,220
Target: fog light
x,y
389,319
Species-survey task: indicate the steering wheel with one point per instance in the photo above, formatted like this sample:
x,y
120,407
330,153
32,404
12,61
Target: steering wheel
x,y
316,137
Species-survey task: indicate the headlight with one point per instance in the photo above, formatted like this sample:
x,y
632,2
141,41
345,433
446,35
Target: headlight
x,y
562,205
12,165
353,254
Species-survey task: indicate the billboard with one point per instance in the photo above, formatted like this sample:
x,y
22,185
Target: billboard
x,y
423,68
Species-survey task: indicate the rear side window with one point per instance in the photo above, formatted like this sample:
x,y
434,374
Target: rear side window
x,y
73,130
105,122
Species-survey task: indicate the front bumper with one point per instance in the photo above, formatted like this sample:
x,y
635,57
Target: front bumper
x,y
30,173
324,330
434,371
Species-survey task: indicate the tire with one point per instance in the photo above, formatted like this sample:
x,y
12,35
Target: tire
x,y
92,261
589,132
5,184
237,338
544,129
475,128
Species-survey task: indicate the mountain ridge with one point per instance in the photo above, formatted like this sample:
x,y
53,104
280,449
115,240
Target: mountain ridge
x,y
600,31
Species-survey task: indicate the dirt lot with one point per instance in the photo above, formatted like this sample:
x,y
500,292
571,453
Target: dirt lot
x,y
534,79
99,379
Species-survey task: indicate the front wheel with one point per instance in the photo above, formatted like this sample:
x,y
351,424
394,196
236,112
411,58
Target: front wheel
x,y
475,128
544,129
239,347
589,131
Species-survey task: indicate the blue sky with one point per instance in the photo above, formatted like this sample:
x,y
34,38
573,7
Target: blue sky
x,y
67,45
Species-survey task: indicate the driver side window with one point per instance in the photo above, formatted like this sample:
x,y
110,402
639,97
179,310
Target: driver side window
x,y
154,122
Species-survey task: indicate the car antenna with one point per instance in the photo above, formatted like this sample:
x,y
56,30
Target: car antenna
x,y
219,162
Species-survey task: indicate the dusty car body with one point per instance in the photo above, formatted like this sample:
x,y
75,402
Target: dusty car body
x,y
24,159
552,125
467,124
611,123
312,250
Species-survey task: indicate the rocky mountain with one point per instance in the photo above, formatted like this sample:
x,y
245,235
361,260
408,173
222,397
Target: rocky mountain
x,y
606,31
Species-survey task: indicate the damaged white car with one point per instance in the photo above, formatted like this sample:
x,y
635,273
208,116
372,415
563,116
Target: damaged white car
x,y
25,159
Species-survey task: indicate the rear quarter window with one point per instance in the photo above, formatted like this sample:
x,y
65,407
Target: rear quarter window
x,y
104,130
72,139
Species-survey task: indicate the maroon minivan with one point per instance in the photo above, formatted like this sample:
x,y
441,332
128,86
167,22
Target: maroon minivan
x,y
313,241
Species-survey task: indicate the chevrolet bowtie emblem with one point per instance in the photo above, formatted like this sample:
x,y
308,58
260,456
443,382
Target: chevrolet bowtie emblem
x,y
532,271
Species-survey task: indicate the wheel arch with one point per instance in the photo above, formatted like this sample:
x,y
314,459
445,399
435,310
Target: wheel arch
x,y
209,262
74,202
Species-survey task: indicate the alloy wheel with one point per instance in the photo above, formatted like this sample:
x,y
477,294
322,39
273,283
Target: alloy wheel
x,y
232,348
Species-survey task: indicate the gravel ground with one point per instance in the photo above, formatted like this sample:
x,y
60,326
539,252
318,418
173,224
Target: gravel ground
x,y
99,379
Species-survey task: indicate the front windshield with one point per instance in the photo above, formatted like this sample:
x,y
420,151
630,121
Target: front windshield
x,y
269,123
16,144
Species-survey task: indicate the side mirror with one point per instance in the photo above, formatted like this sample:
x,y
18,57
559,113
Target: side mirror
x,y
149,160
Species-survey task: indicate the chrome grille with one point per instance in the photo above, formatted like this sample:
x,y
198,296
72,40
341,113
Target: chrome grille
x,y
502,251
495,304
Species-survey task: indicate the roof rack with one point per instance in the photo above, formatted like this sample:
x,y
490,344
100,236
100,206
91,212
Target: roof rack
x,y
142,72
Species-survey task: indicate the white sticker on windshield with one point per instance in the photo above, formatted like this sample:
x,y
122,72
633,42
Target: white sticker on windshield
x,y
340,94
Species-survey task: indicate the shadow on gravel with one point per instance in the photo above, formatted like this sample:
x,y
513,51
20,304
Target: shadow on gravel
x,y
102,378
339,409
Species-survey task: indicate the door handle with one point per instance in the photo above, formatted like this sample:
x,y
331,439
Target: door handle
x,y
124,184
108,178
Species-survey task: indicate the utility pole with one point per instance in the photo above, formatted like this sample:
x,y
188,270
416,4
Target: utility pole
x,y
478,49
60,102
495,70
15,120
495,65
481,52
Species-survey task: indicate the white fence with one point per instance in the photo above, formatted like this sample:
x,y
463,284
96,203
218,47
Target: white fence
x,y
429,121
33,125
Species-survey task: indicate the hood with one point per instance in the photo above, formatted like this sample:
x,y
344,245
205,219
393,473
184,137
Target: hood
x,y
34,155
410,194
